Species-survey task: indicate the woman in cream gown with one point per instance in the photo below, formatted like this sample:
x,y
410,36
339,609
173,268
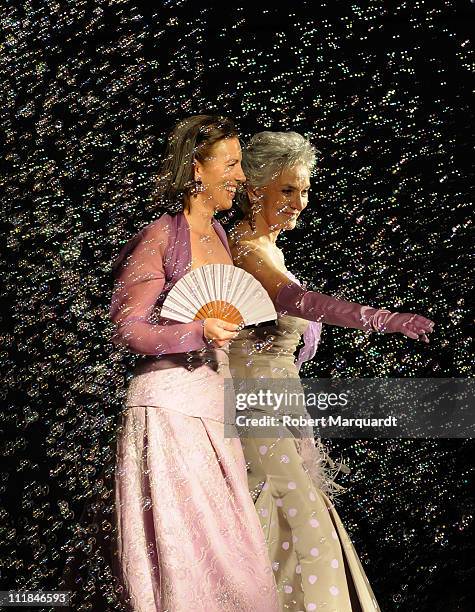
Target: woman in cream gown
x,y
315,564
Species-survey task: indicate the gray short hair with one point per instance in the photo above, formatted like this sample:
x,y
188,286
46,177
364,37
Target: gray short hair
x,y
268,154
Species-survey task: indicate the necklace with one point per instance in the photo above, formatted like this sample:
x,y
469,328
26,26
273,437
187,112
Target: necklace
x,y
203,236
209,233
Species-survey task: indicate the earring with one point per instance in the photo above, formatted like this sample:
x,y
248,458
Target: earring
x,y
197,187
252,218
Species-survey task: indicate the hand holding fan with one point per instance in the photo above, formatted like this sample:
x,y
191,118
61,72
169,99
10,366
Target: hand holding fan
x,y
219,291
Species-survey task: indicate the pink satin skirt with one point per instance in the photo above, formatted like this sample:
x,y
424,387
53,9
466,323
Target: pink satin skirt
x,y
188,535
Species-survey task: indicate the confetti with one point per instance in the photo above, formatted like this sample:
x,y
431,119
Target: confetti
x,y
90,90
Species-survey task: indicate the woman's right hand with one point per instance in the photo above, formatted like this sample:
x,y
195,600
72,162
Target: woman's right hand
x,y
219,332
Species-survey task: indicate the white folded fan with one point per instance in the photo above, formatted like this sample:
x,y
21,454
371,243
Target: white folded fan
x,y
220,291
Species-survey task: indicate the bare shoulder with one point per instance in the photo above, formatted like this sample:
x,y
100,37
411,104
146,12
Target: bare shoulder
x,y
248,248
239,232
243,235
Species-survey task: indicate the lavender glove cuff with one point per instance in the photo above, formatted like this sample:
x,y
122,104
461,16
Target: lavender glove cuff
x,y
376,320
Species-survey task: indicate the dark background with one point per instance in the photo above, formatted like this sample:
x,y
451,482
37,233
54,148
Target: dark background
x,y
89,92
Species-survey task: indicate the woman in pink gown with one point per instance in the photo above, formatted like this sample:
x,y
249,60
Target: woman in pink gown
x,y
188,535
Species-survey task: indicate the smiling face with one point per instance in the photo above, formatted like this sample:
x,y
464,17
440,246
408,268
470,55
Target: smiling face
x,y
281,201
220,174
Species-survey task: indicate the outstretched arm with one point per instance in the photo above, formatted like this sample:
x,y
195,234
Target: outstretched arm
x,y
290,298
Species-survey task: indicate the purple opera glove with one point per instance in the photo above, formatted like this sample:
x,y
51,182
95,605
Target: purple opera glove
x,y
313,306
411,325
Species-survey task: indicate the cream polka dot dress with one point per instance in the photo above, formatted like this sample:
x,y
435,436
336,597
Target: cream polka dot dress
x,y
314,562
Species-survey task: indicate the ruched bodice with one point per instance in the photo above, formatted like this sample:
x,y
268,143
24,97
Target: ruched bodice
x,y
268,350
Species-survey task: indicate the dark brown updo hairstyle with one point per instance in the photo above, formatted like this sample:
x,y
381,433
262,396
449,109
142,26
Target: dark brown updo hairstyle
x,y
191,139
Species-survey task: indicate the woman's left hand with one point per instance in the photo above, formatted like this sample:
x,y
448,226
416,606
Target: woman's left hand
x,y
414,326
